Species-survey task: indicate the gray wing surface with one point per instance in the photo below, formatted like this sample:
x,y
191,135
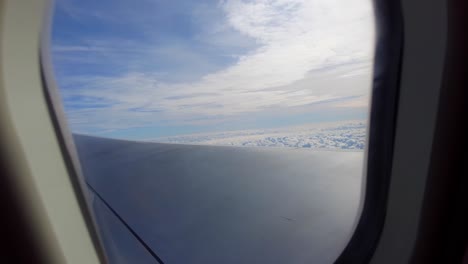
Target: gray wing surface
x,y
210,204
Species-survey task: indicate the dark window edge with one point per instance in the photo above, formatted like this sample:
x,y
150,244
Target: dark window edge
x,y
382,127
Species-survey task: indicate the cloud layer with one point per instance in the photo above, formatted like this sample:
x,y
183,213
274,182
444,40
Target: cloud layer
x,y
287,54
349,135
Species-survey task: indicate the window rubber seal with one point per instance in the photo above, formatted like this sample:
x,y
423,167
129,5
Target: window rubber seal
x,y
381,132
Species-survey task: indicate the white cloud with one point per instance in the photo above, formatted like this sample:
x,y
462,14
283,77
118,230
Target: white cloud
x,y
296,41
338,135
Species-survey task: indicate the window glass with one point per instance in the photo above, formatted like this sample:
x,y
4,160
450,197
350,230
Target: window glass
x,y
223,131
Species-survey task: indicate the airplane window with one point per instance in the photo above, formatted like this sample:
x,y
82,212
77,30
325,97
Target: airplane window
x,y
218,131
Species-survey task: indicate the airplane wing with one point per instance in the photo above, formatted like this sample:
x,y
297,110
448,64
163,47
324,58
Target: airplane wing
x,y
172,203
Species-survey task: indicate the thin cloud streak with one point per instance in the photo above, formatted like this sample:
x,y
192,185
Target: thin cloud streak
x,y
306,52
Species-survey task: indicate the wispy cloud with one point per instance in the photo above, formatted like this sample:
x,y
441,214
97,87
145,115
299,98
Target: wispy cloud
x,y
279,54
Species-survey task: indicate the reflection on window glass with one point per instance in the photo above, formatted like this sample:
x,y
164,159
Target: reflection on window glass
x,y
218,131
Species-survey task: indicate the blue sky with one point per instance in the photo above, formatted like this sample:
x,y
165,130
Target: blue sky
x,y
151,68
